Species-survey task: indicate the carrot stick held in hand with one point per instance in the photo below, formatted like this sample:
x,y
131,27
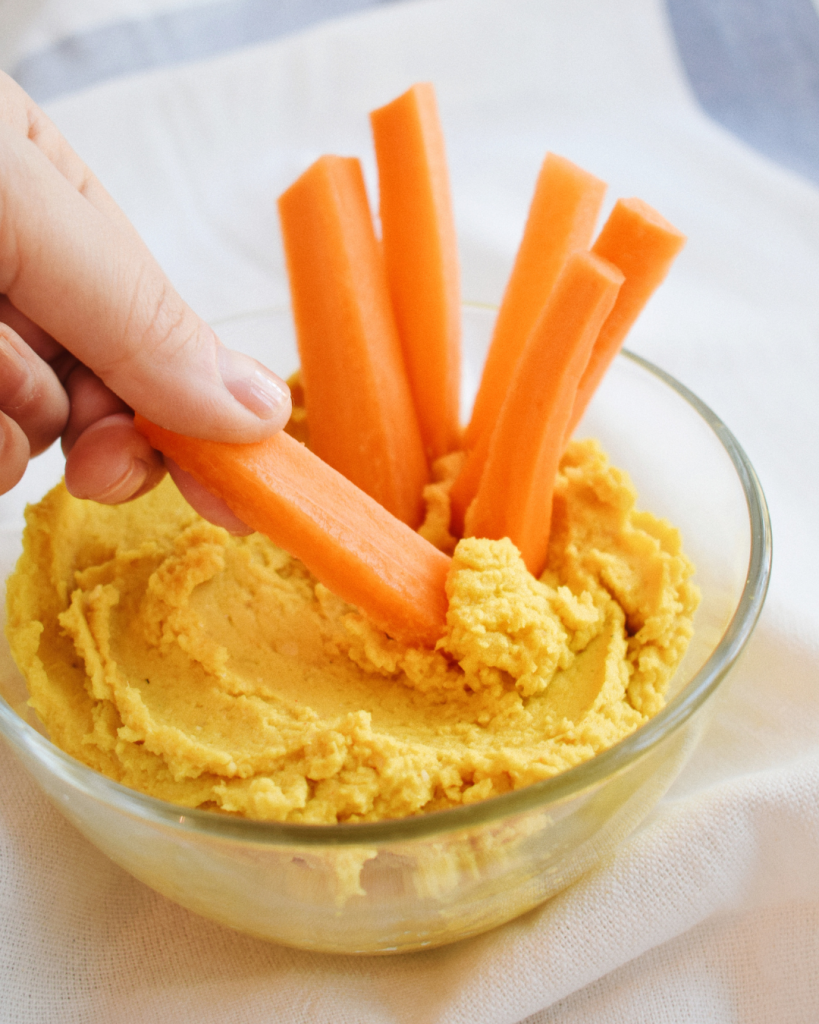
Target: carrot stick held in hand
x,y
421,257
359,405
346,539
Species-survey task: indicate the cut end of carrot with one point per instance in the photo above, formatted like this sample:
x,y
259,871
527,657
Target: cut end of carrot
x,y
643,244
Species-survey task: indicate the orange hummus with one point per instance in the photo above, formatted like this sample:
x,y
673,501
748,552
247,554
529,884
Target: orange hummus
x,y
214,671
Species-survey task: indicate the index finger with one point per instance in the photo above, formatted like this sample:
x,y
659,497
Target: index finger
x,y
21,114
89,281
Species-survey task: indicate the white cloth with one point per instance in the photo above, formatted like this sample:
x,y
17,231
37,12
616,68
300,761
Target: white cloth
x,y
710,912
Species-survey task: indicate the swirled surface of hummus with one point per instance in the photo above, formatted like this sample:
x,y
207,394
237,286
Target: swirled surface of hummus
x,y
215,672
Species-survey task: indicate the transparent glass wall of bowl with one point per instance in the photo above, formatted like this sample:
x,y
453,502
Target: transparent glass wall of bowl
x,y
419,882
413,893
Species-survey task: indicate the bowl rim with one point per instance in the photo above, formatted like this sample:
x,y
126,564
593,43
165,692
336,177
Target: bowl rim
x,y
546,793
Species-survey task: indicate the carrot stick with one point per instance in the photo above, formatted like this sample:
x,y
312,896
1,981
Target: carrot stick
x,y
643,245
421,257
467,482
561,220
514,498
346,539
358,399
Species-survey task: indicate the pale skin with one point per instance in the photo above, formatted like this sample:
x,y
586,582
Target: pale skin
x,y
92,329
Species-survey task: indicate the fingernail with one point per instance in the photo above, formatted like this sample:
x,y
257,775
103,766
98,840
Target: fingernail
x,y
126,486
256,387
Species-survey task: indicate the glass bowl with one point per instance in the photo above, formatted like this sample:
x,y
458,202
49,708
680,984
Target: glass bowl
x,y
430,880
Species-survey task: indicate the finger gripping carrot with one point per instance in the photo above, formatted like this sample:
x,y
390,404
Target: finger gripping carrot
x,y
346,539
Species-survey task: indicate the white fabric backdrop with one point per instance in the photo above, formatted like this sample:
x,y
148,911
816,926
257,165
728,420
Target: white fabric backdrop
x,y
711,911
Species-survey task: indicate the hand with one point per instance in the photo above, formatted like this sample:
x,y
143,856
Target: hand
x,y
91,329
